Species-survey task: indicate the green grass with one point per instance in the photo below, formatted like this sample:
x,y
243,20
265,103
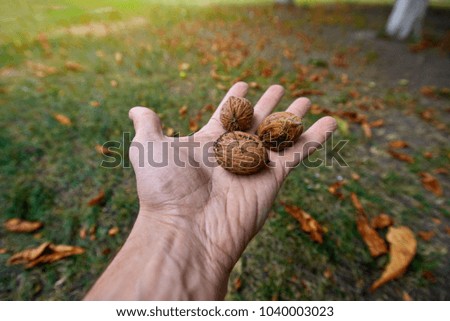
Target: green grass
x,y
50,171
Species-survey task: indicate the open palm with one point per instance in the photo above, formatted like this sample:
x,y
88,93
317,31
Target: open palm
x,y
212,210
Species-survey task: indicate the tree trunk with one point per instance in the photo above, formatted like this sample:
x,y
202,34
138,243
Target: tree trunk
x,y
406,18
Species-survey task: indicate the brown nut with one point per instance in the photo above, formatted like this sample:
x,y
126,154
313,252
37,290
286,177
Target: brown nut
x,y
280,130
241,153
237,114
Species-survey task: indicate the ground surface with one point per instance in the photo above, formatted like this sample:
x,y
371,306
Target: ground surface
x,y
50,171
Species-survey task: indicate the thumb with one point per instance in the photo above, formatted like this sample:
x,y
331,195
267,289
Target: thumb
x,y
146,124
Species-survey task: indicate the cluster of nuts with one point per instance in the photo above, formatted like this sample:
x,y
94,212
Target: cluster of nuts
x,y
243,153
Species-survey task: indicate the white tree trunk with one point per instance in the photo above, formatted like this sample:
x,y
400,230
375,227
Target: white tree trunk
x,y
406,18
290,2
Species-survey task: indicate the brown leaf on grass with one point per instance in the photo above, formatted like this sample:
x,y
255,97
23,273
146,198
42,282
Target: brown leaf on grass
x,y
355,176
377,123
374,242
426,235
436,221
307,223
99,198
403,247
307,92
340,60
183,111
447,230
366,129
83,233
428,155
254,85
335,189
113,231
170,131
441,170
193,125
431,184
94,103
429,276
3,250
428,91
62,119
328,274
41,70
398,144
401,156
381,221
73,66
55,253
101,149
118,57
406,296
114,83
43,41
21,226
427,114
237,283
28,255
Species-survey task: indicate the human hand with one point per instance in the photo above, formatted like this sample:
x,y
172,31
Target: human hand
x,y
199,218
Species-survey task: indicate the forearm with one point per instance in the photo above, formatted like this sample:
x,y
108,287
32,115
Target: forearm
x,y
159,263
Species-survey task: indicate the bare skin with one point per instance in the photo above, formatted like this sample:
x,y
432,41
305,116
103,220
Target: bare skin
x,y
194,222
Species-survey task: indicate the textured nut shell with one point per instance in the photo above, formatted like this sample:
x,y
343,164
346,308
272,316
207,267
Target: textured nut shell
x,y
241,153
280,130
237,114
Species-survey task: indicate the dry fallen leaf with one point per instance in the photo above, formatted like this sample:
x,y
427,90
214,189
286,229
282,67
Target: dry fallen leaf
x,y
101,149
436,221
403,247
97,199
3,250
377,123
183,111
431,184
41,70
237,283
400,156
73,66
355,176
366,129
426,235
381,221
83,233
398,144
406,296
374,242
429,276
45,44
428,155
55,253
170,131
193,125
94,103
62,119
428,91
307,92
21,226
447,230
118,57
335,189
114,83
113,231
307,223
28,255
184,66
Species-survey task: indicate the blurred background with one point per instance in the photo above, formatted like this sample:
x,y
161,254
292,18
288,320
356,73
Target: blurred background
x,y
70,71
